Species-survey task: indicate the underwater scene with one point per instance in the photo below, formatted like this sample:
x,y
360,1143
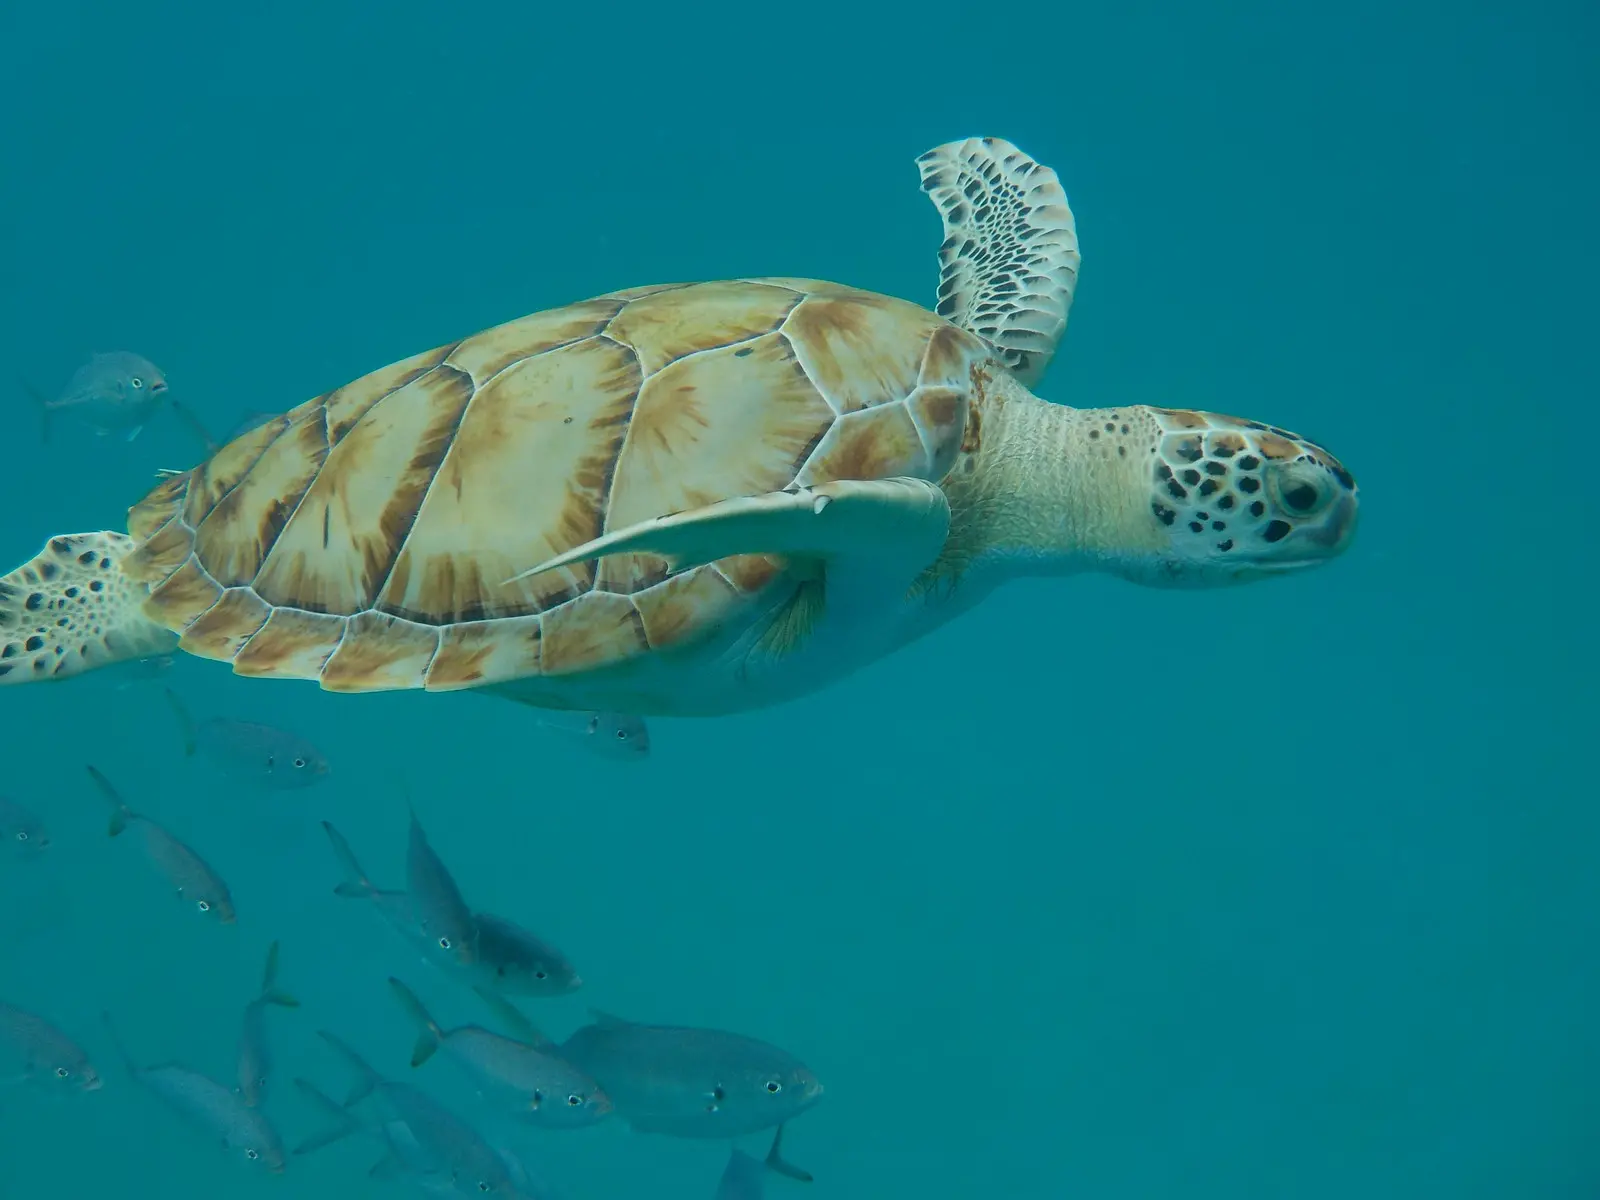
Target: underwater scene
x,y
719,603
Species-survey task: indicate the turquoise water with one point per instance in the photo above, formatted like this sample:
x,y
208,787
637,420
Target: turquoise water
x,y
1285,890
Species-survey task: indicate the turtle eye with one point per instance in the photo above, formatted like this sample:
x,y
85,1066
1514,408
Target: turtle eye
x,y
1300,497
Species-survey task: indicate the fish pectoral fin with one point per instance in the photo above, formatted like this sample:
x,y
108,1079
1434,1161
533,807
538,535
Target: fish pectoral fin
x,y
779,1165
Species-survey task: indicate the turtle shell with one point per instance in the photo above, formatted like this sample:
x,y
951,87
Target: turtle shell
x,y
365,538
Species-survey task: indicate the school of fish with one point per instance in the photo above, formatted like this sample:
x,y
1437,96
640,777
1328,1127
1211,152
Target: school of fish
x,y
668,1080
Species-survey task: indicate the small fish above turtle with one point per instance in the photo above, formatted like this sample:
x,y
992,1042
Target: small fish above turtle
x,y
115,394
687,499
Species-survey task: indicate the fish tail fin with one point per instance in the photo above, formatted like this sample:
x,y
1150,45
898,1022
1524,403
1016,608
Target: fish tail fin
x,y
121,814
356,884
185,723
341,1124
512,1017
196,425
366,1077
779,1165
270,992
429,1035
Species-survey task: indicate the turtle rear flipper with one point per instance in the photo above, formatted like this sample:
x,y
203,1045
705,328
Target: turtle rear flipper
x,y
70,609
1009,263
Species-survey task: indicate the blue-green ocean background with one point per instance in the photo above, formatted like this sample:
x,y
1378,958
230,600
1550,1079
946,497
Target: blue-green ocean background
x,y
1281,891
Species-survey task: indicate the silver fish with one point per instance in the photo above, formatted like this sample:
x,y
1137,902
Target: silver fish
x,y
137,671
44,1052
395,906
216,1110
543,1087
114,393
261,754
431,1143
692,1083
185,870
255,1054
512,960
22,832
436,901
745,1177
614,735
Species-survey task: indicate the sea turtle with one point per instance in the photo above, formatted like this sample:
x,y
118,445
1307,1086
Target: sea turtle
x,y
686,499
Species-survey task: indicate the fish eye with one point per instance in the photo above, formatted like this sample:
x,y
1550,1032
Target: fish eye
x,y
622,735
205,906
538,1098
252,1154
541,974
137,382
484,1186
774,1087
22,835
299,762
574,1101
62,1073
444,943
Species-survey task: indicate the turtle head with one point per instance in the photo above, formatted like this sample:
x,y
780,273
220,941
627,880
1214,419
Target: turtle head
x,y
1237,501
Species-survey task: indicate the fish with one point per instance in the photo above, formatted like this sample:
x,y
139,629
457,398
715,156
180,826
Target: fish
x,y
113,393
691,1083
140,670
44,1052
214,1109
540,1085
516,962
22,832
426,1140
185,870
264,755
436,901
745,1177
255,1055
613,735
503,955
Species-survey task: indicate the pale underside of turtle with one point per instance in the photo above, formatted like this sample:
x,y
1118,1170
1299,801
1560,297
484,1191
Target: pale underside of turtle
x,y
683,499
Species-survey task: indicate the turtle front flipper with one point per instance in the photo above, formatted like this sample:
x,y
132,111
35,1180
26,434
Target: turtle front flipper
x,y
872,538
1009,262
71,609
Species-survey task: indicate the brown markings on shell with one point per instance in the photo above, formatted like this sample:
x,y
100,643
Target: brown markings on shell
x,y
229,624
219,474
949,358
338,548
159,555
182,596
160,503
484,355
380,653
675,611
1182,418
663,327
599,629
234,539
291,645
941,414
874,443
1276,448
749,573
861,349
525,479
346,405
479,652
738,421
